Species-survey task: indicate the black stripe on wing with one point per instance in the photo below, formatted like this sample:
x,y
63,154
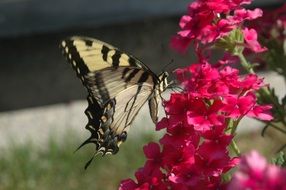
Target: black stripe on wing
x,y
104,52
101,86
72,55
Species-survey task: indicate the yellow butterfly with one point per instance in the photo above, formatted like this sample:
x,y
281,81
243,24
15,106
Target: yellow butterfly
x,y
118,85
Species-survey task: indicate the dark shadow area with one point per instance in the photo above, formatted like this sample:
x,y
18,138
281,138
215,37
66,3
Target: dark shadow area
x,y
34,73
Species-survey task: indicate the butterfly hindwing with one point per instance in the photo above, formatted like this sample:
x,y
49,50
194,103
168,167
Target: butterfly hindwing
x,y
115,118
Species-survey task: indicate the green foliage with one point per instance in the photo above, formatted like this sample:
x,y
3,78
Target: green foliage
x,y
275,57
232,42
280,159
56,166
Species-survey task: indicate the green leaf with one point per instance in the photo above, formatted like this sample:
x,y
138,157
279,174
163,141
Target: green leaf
x,y
280,159
232,43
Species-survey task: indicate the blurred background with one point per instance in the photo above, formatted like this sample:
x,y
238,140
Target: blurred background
x,y
42,102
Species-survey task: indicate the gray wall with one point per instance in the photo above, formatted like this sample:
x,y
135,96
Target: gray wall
x,y
18,17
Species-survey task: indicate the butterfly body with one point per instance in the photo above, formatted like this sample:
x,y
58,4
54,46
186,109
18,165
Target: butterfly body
x,y
118,85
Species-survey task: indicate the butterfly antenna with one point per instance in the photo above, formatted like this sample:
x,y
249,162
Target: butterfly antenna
x,y
168,64
174,87
179,87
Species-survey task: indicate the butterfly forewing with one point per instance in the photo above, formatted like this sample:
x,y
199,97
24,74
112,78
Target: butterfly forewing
x,y
88,55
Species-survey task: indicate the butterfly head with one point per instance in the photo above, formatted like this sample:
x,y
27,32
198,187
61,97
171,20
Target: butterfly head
x,y
163,81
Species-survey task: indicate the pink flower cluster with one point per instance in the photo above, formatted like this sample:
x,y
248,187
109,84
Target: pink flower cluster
x,y
231,95
255,174
209,20
193,153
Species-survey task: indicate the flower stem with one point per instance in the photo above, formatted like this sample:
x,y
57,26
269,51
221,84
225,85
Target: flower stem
x,y
235,148
246,65
234,126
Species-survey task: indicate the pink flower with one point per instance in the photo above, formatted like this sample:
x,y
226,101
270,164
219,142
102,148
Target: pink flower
x,y
176,108
127,184
261,112
191,176
180,135
179,43
174,156
250,37
147,178
255,174
213,160
188,175
237,107
177,104
153,154
242,2
203,117
209,20
201,80
251,82
243,14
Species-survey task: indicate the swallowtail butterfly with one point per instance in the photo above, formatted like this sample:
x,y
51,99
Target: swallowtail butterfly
x,y
118,85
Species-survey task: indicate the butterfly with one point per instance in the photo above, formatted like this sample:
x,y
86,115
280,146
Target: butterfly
x,y
118,85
